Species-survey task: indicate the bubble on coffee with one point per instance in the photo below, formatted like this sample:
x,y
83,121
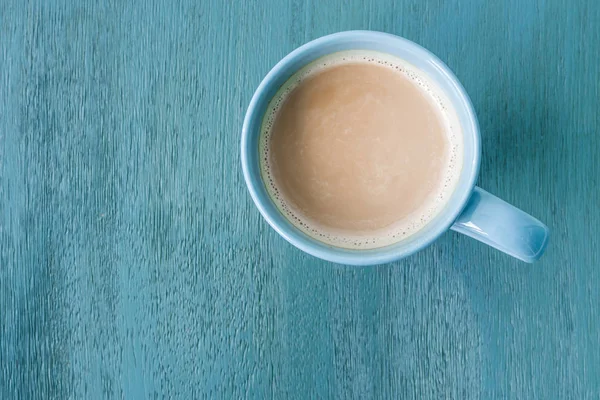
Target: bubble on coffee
x,y
402,228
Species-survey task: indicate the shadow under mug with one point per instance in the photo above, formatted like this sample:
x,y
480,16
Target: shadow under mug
x,y
470,210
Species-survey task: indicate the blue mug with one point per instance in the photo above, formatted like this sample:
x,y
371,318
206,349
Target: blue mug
x,y
470,210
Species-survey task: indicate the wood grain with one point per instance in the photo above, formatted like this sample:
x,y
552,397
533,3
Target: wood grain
x,y
133,263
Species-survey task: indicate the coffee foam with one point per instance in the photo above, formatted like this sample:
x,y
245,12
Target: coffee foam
x,y
402,229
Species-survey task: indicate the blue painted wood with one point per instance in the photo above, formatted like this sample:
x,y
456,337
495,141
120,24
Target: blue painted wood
x,y
133,263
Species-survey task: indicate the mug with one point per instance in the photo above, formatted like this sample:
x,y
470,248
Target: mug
x,y
470,210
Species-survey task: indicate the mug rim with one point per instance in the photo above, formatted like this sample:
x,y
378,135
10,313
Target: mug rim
x,y
446,216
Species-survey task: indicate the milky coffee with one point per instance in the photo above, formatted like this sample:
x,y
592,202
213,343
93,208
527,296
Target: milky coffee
x,y
360,149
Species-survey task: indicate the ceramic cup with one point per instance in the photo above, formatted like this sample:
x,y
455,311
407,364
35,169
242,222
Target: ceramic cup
x,y
470,210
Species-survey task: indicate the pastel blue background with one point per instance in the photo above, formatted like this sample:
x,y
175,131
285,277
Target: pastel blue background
x,y
133,263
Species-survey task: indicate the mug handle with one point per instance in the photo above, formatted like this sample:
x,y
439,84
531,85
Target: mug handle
x,y
502,226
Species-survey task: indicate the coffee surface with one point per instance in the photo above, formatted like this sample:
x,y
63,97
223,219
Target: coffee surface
x,y
358,153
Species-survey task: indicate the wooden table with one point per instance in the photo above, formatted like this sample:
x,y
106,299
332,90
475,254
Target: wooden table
x,y
133,263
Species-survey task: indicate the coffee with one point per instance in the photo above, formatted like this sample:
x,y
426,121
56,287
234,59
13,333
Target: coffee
x,y
359,149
